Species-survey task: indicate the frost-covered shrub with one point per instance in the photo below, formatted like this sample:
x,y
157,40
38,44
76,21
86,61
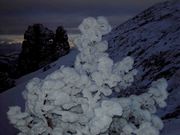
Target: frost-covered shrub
x,y
79,100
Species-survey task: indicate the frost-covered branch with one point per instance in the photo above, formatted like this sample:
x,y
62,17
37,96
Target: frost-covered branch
x,y
76,101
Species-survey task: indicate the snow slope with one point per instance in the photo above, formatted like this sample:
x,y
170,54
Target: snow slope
x,y
13,96
152,39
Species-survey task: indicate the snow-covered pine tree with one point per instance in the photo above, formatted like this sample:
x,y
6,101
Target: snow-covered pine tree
x,y
79,100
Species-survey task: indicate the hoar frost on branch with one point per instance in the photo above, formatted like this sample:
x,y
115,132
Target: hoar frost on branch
x,y
78,101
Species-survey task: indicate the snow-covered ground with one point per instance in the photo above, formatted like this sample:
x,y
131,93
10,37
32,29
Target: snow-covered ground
x,y
152,39
172,127
13,96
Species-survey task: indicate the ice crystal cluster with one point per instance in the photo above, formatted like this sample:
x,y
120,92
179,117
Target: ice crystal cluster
x,y
79,101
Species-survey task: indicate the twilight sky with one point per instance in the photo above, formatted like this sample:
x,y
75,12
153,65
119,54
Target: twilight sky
x,y
16,15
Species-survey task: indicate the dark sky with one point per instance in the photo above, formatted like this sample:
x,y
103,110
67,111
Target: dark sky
x,y
16,15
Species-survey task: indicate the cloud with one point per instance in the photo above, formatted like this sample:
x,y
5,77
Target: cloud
x,y
9,39
18,14
21,5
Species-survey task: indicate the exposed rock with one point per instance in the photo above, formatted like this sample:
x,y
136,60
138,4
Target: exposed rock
x,y
61,42
40,47
7,71
6,81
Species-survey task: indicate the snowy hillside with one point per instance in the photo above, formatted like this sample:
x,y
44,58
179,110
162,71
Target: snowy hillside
x,y
152,39
9,52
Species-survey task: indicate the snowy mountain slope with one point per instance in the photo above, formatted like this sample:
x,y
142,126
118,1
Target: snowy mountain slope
x,y
152,39
6,48
171,127
13,96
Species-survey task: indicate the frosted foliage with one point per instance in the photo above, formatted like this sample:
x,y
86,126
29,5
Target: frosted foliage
x,y
139,111
79,100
